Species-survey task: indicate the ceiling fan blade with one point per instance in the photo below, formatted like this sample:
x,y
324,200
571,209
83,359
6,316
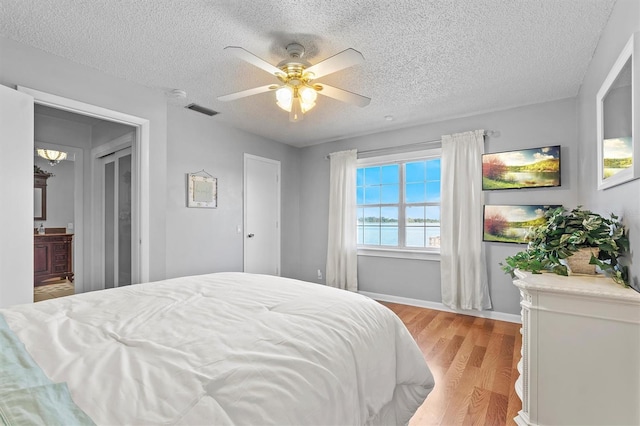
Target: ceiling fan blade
x,y
249,92
343,95
345,59
253,60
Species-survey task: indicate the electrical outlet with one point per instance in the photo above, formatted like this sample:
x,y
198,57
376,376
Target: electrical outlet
x,y
319,274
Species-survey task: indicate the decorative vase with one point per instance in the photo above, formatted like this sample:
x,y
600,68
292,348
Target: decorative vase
x,y
578,262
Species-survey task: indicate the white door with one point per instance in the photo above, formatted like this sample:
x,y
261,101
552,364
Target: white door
x,y
261,215
16,193
117,218
117,214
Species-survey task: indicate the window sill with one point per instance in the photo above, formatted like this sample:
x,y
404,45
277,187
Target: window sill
x,y
399,253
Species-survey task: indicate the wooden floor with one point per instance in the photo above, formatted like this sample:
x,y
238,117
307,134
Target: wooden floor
x,y
474,363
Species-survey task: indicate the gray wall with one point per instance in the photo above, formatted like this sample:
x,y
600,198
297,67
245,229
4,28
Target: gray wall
x,y
61,132
106,131
206,240
552,123
24,65
623,200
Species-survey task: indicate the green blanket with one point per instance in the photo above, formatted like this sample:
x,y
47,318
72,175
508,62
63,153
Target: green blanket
x,y
27,396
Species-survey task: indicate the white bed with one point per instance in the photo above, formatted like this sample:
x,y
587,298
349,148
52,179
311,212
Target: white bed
x,y
227,348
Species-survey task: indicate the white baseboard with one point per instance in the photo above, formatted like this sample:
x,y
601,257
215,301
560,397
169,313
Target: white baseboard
x,y
501,316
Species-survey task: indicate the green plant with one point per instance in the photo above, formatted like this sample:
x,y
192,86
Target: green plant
x,y
563,234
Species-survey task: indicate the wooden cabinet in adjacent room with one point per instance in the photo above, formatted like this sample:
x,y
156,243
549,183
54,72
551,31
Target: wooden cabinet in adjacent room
x,y
52,257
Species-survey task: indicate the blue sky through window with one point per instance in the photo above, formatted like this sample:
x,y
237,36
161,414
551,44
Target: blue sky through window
x,y
380,184
378,187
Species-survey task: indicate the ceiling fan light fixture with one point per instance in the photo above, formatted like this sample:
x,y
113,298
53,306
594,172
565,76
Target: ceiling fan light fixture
x,y
306,106
53,156
308,95
284,98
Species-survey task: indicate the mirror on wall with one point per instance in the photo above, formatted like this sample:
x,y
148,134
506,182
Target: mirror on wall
x,y
40,195
617,126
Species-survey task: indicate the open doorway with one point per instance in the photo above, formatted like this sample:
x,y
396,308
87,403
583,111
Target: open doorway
x,y
139,217
79,208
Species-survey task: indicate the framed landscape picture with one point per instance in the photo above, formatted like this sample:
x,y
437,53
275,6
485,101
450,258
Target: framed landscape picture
x,y
510,223
525,168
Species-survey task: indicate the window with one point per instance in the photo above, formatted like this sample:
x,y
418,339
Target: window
x,y
398,202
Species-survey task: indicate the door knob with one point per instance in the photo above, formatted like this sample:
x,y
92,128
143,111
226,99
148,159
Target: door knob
x,y
250,235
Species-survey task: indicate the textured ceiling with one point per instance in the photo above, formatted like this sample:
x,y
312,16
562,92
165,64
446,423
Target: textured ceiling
x,y
424,60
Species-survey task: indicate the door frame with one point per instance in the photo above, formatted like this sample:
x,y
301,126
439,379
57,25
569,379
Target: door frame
x,y
248,157
141,224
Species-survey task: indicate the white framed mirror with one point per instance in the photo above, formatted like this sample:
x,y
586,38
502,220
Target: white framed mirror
x,y
617,104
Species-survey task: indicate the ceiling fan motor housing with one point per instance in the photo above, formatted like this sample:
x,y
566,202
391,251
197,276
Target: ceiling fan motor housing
x,y
294,66
295,50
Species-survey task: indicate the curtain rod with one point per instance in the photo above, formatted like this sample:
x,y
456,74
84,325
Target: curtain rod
x,y
416,144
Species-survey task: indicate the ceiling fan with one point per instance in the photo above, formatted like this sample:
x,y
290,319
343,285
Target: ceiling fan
x,y
298,92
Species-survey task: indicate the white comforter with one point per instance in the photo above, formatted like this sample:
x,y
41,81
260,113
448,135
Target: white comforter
x,y
228,348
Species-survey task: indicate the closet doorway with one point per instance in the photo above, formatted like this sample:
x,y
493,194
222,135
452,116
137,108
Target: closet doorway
x,y
115,194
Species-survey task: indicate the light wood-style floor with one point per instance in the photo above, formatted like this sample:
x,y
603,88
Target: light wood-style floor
x,y
474,364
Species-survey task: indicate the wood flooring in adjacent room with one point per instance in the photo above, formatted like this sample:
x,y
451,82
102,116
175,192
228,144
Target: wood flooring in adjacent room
x,y
474,362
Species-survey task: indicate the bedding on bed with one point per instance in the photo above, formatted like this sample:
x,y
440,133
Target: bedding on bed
x,y
227,349
27,396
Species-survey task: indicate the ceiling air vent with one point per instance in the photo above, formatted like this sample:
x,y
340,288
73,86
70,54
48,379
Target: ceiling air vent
x,y
202,110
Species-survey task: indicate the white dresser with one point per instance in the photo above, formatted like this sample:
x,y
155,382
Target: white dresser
x,y
580,351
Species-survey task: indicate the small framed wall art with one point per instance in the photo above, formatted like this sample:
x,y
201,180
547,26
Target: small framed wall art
x,y
202,190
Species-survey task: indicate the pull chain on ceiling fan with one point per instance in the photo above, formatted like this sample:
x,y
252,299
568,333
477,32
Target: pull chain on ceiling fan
x,y
298,93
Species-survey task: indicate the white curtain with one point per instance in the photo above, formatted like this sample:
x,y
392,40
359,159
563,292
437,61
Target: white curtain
x,y
342,256
462,260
